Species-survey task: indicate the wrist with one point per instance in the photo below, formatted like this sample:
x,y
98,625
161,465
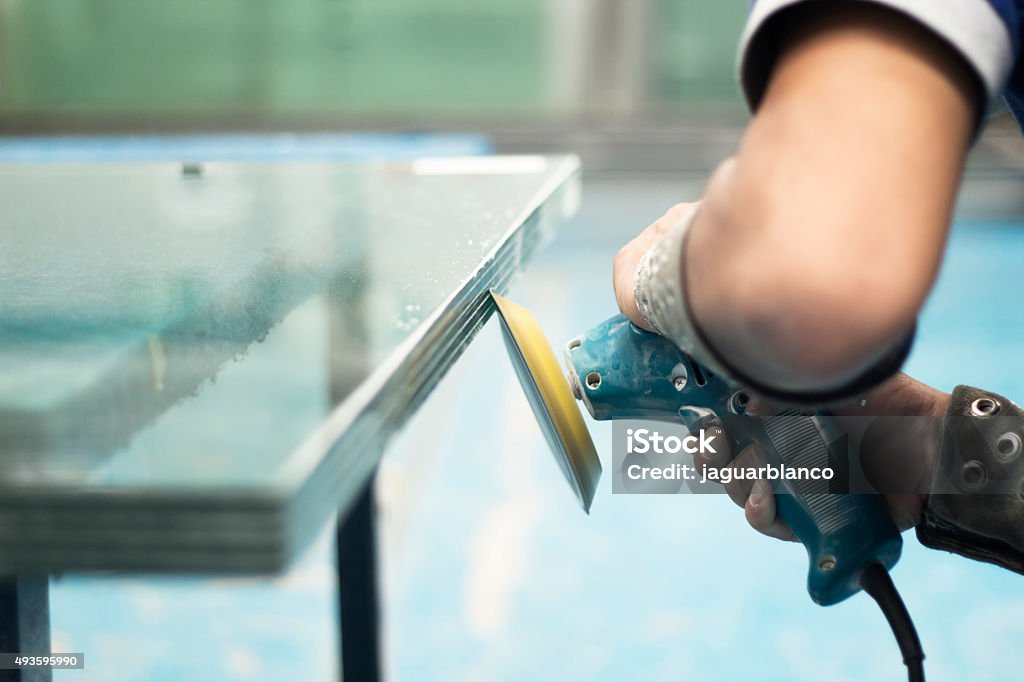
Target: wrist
x,y
976,499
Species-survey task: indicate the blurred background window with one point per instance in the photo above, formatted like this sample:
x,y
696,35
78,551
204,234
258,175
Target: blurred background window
x,y
108,64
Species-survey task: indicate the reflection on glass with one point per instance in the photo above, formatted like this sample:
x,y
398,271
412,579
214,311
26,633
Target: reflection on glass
x,y
190,329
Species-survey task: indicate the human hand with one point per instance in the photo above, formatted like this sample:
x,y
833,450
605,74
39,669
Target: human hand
x,y
897,452
628,258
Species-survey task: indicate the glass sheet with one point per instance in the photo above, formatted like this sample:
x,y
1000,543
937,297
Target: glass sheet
x,y
171,327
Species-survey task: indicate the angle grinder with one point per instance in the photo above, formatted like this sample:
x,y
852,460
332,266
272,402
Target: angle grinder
x,y
620,371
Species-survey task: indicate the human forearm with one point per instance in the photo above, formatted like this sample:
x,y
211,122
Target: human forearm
x,y
814,248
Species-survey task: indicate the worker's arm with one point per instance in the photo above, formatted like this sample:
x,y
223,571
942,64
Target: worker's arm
x,y
816,245
805,265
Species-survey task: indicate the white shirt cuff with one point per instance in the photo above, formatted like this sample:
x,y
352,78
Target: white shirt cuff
x,y
972,27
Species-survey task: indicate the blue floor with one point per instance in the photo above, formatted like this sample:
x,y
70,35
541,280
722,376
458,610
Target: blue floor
x,y
493,573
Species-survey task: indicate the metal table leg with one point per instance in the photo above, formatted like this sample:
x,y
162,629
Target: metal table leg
x,y
25,623
359,608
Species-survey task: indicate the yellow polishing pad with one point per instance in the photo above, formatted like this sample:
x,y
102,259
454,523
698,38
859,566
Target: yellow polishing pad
x,y
551,398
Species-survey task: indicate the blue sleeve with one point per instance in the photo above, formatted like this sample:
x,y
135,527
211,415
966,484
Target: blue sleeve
x,y
1010,11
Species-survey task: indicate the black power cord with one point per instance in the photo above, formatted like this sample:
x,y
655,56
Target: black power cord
x,y
876,581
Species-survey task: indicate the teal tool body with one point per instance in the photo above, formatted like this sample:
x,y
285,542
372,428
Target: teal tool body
x,y
620,371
